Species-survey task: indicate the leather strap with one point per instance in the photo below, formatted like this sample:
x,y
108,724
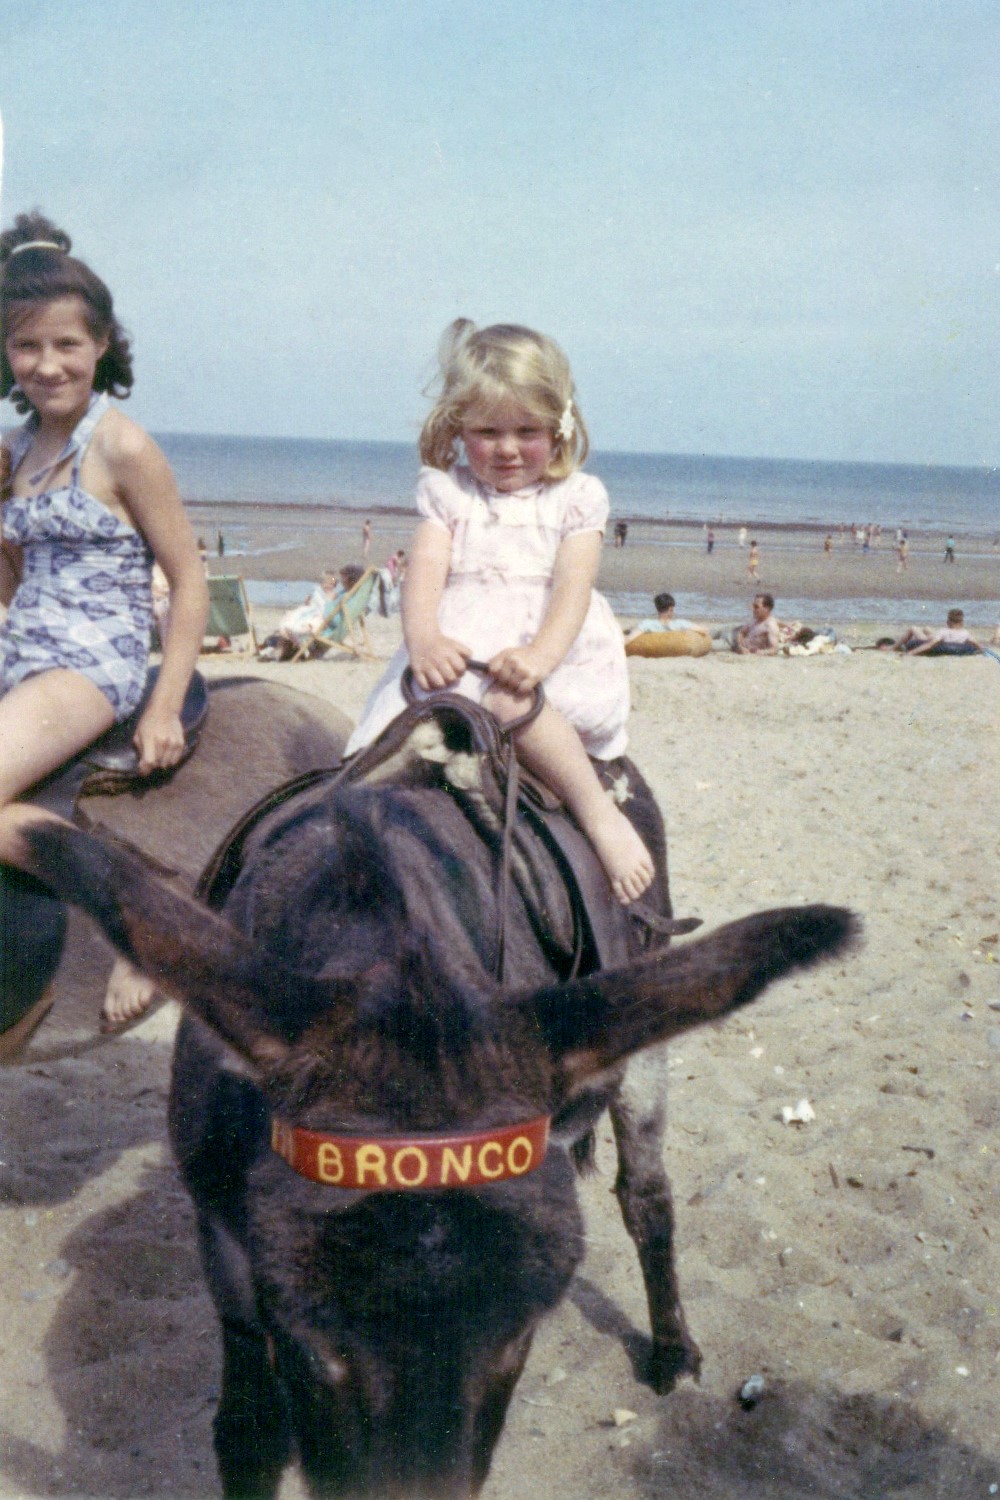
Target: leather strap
x,y
507,730
406,1163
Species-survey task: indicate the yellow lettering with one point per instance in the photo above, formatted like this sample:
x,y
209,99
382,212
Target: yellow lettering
x,y
520,1163
370,1158
329,1163
450,1160
491,1147
422,1164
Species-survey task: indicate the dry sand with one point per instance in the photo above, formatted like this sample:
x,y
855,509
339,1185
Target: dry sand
x,y
852,1261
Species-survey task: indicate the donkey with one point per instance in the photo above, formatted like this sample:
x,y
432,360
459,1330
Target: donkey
x,y
378,1136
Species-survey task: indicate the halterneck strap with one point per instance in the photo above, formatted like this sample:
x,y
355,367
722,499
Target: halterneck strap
x,y
84,431
76,443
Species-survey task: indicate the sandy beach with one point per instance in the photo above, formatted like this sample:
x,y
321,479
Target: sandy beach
x,y
851,1261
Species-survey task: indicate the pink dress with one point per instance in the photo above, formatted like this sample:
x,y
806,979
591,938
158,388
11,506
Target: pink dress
x,y
503,551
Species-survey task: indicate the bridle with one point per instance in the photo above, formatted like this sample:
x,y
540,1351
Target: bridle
x,y
506,732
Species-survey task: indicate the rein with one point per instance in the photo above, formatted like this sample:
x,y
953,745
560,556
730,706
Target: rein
x,y
511,788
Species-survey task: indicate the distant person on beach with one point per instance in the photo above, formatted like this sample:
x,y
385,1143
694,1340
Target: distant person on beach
x,y
621,533
88,506
951,640
743,536
710,541
664,604
753,563
299,624
828,545
902,554
502,571
949,550
160,592
394,567
220,545
390,580
366,539
761,633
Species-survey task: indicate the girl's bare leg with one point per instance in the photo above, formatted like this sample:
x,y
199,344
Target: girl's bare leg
x,y
552,749
44,722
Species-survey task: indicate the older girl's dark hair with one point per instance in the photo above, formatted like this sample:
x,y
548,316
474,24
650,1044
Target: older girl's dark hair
x,y
43,271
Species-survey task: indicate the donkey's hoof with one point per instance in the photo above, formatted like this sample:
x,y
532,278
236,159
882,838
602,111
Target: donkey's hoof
x,y
668,1362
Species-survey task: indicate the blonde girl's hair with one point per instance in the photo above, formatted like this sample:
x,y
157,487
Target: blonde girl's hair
x,y
484,366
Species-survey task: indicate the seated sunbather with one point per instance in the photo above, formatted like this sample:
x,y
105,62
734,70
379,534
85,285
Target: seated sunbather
x,y
305,619
664,604
300,624
762,634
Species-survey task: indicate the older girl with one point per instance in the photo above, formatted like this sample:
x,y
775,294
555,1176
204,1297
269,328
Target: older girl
x,y
87,505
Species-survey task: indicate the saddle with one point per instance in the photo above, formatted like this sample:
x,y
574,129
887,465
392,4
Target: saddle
x,y
111,764
451,743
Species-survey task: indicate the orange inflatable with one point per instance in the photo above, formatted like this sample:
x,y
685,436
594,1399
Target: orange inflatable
x,y
669,643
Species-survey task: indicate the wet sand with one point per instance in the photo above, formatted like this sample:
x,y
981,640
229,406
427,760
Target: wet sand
x,y
655,558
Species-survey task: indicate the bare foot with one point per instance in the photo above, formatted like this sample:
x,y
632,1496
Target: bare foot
x,y
626,860
128,996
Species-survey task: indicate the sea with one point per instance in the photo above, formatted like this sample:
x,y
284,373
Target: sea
x,y
643,486
666,488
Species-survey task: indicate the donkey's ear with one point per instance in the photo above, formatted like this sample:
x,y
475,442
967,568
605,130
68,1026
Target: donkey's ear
x,y
255,1004
591,1024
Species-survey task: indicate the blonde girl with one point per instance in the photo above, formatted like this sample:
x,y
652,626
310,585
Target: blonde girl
x,y
87,505
502,570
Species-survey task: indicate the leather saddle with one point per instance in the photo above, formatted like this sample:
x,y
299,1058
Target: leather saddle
x,y
111,764
449,742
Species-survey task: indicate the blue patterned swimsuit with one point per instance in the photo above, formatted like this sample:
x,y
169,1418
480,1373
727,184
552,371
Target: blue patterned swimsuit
x,y
84,601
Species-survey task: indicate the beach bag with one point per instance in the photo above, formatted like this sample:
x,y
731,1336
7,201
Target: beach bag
x,y
669,643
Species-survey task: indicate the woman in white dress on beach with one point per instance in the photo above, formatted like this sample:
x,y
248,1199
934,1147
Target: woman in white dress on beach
x,y
502,571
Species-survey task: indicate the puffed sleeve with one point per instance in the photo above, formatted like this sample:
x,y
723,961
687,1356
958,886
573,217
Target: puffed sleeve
x,y
586,505
439,498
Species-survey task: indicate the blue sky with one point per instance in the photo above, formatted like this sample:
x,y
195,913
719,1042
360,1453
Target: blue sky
x,y
761,228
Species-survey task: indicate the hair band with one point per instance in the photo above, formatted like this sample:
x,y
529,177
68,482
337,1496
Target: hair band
x,y
567,426
34,245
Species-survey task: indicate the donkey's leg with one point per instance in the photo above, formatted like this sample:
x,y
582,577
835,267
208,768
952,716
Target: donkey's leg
x,y
252,1439
252,1443
637,1115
